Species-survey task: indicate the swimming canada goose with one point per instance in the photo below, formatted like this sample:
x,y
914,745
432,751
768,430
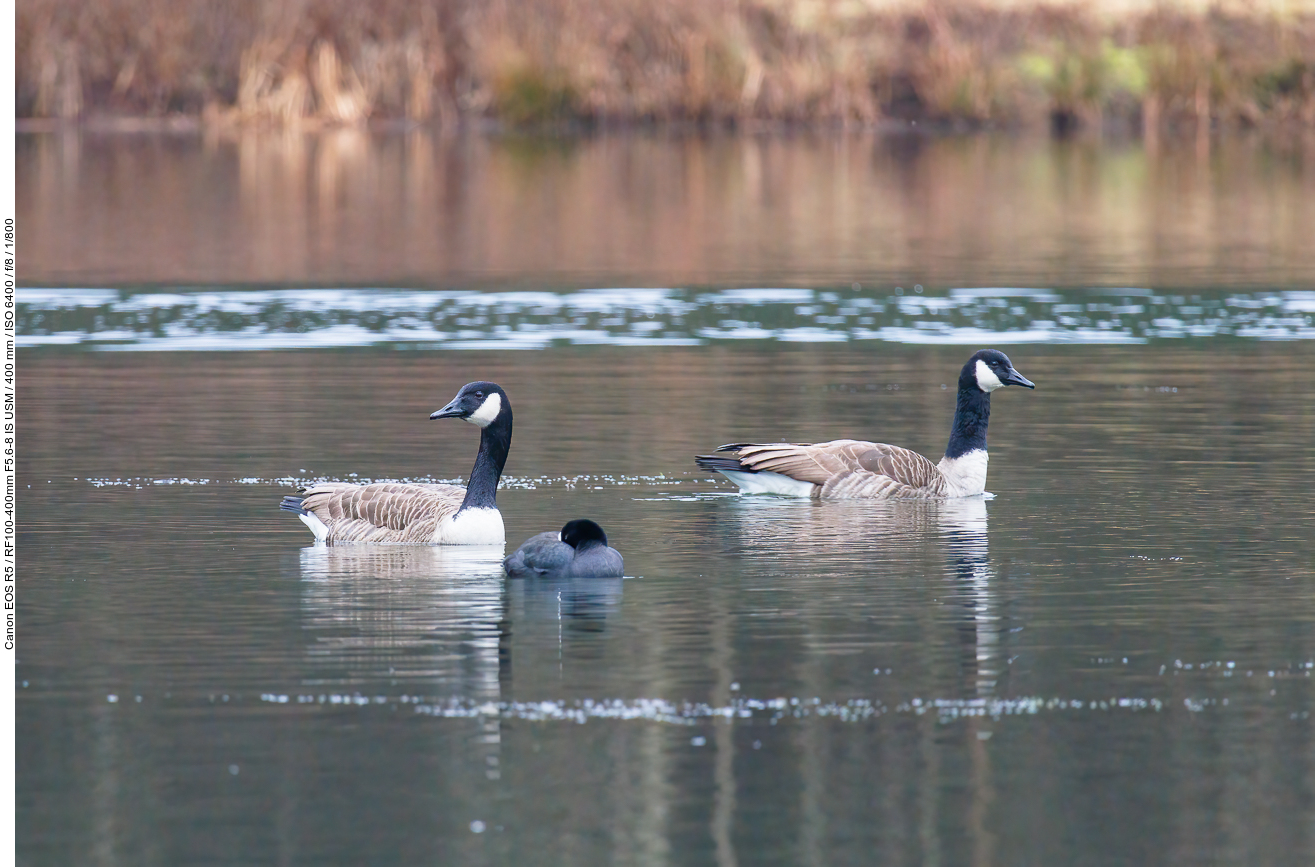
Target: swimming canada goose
x,y
856,469
578,551
422,514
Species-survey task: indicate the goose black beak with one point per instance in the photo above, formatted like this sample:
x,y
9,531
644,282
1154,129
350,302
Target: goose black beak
x,y
452,410
1013,377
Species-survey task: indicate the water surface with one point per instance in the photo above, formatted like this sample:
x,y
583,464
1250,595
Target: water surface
x,y
1122,637
1107,662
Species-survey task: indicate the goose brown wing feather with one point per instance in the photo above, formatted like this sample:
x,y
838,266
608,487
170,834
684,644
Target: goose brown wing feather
x,y
907,468
817,463
384,512
808,463
847,468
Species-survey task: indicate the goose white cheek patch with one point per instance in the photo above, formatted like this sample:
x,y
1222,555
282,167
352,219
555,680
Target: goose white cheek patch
x,y
488,411
986,378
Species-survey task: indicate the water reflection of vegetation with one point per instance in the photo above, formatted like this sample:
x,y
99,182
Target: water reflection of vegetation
x,y
355,208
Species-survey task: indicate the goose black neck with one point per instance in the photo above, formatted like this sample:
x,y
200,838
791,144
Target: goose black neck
x,y
494,443
972,411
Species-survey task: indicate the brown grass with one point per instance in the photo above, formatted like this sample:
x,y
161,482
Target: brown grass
x,y
529,62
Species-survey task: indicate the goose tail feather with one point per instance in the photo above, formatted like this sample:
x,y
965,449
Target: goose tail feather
x,y
719,464
292,504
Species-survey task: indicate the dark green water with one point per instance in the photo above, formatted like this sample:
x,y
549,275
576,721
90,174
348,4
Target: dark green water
x,y
1122,638
1108,662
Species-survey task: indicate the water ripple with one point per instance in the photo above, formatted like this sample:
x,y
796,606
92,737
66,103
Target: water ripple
x,y
772,710
234,319
506,482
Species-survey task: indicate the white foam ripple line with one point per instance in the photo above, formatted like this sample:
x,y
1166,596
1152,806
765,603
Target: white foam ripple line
x,y
770,711
241,320
506,483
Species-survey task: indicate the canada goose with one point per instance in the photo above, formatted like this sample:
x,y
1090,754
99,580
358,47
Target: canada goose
x,y
855,469
578,551
422,514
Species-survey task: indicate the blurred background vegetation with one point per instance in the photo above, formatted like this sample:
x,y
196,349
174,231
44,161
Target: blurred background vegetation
x,y
1136,65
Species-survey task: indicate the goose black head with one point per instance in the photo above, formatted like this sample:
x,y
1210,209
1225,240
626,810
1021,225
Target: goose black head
x,y
990,369
480,403
583,532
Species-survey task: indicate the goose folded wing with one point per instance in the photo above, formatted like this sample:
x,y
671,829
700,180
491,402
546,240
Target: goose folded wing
x,y
808,463
383,512
845,467
906,468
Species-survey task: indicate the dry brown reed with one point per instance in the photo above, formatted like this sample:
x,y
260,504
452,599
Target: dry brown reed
x,y
528,62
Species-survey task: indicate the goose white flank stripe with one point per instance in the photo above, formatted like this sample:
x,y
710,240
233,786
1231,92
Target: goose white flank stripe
x,y
416,513
769,483
859,469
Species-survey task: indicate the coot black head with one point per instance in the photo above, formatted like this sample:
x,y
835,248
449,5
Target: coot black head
x,y
582,533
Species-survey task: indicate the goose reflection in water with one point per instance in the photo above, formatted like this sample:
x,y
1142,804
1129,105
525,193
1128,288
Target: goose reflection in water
x,y
445,615
405,612
856,536
438,621
963,528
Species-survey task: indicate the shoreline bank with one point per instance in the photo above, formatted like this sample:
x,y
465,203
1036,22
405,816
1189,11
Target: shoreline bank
x,y
566,63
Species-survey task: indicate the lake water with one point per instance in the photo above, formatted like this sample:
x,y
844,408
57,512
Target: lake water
x,y
1108,662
